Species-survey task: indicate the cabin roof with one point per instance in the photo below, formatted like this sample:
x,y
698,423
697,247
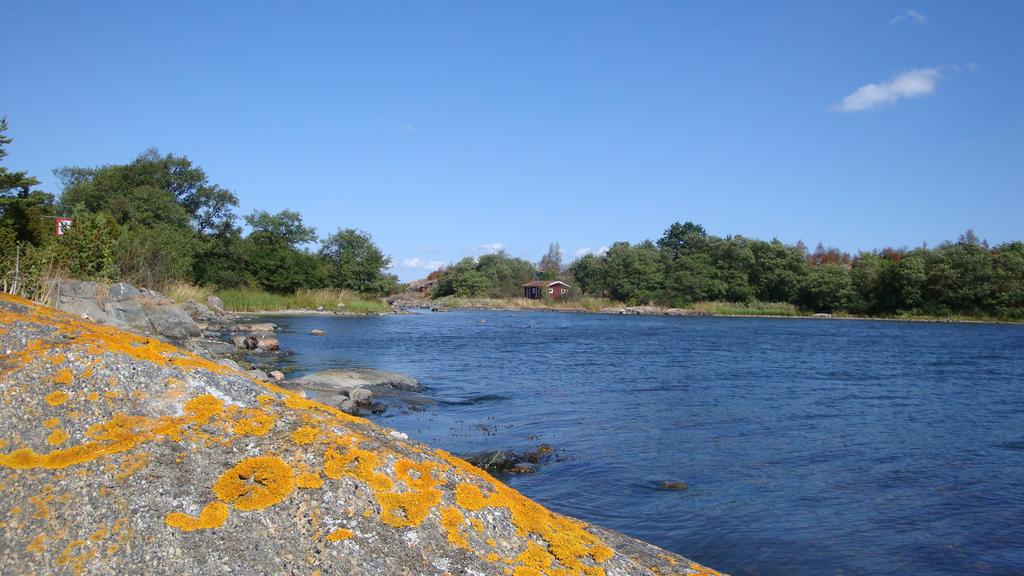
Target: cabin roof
x,y
543,283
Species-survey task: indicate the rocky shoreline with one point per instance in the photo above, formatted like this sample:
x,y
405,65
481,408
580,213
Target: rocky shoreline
x,y
120,451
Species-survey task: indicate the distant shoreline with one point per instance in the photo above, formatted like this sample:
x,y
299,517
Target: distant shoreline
x,y
623,311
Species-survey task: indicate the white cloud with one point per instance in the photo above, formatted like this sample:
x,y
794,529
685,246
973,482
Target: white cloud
x,y
911,84
580,252
908,16
418,264
493,247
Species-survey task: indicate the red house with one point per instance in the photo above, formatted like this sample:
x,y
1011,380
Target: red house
x,y
536,289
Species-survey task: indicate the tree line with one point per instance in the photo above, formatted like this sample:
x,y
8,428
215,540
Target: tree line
x,y
158,220
686,265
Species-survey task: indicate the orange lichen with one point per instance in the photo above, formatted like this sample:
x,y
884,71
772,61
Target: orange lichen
x,y
339,534
41,502
400,509
451,521
63,377
56,398
99,534
213,515
92,396
37,545
130,464
567,540
203,407
296,402
304,435
355,463
255,483
254,422
601,553
48,423
477,524
307,479
58,436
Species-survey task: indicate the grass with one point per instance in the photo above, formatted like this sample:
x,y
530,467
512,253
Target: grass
x,y
747,309
251,300
183,292
584,303
590,304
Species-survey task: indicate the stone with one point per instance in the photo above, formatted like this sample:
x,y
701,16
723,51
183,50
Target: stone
x,y
317,332
345,379
263,327
257,374
120,292
266,342
128,313
168,464
348,406
215,302
276,375
228,362
244,342
361,396
673,485
171,321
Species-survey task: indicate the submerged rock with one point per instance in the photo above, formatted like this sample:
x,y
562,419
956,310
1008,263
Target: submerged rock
x,y
511,461
121,454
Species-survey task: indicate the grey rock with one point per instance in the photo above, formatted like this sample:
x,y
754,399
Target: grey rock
x,y
215,302
230,364
348,406
276,375
244,342
258,374
120,291
361,396
267,342
128,312
317,332
171,321
346,379
262,327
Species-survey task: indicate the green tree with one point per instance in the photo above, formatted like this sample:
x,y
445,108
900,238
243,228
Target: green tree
x,y
26,215
634,274
826,288
286,226
86,250
353,262
588,274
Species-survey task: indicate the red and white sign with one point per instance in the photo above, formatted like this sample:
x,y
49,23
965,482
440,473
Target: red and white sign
x,y
62,225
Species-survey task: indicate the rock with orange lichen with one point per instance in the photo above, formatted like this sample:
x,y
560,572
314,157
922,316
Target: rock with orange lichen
x,y
121,454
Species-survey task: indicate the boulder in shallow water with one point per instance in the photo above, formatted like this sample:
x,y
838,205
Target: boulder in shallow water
x,y
361,396
344,380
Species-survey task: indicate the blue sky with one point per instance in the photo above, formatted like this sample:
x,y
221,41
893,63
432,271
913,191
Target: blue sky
x,y
447,129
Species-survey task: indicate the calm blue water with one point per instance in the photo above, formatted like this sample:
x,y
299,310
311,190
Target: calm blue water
x,y
810,447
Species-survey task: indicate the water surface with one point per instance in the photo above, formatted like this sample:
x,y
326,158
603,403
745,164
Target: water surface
x,y
810,446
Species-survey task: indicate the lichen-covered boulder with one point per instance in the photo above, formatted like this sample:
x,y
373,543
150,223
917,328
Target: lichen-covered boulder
x,y
122,455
